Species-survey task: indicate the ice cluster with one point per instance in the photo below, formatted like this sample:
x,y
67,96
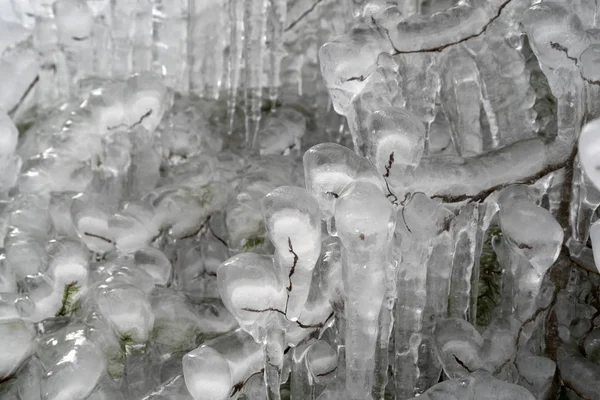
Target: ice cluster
x,y
299,199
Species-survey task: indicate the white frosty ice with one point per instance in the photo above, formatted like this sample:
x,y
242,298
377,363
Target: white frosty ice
x,y
589,151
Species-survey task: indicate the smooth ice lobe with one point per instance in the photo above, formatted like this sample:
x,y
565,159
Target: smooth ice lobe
x,y
251,289
589,151
293,223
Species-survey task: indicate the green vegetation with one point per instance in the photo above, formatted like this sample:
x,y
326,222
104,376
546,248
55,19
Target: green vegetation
x,y
125,340
490,275
252,243
68,306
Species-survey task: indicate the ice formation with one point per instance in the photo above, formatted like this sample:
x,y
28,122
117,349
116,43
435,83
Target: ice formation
x,y
299,199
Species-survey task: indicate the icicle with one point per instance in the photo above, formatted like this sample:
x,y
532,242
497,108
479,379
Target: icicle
x,y
465,238
419,222
277,10
365,222
234,60
74,22
122,14
141,38
255,25
207,42
170,42
53,83
101,43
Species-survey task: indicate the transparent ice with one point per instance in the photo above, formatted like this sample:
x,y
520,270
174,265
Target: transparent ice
x,y
299,199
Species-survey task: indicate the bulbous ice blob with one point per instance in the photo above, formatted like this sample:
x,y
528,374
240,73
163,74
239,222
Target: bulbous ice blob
x,y
293,222
91,222
592,345
31,216
589,61
122,270
347,60
17,336
531,229
589,151
479,385
25,255
421,216
281,131
251,289
458,346
60,213
556,35
74,20
292,213
127,309
84,360
68,262
155,263
147,99
15,306
322,361
539,373
395,142
595,238
364,218
133,227
330,167
213,369
208,374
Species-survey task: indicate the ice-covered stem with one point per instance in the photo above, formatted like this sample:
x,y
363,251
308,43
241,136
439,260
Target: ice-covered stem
x,y
329,168
456,179
531,242
293,222
218,369
274,347
365,220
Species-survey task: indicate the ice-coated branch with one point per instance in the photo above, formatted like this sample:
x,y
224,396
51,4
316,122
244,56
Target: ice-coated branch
x,y
456,179
434,33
